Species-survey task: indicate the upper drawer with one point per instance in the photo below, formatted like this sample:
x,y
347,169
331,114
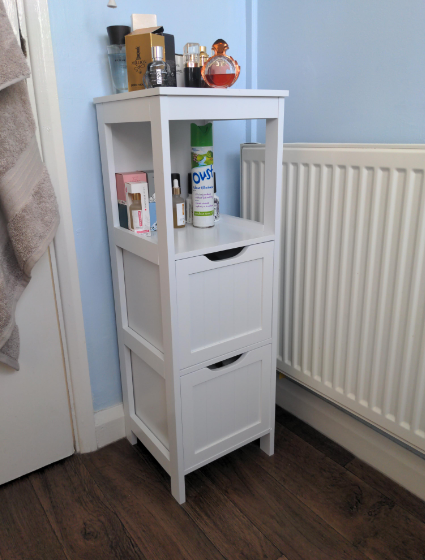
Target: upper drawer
x,y
224,305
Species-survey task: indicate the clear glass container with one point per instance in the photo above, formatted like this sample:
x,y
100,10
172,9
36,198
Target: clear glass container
x,y
117,57
221,70
118,66
158,71
192,69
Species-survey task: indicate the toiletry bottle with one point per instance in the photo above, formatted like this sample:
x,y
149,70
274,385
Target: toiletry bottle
x,y
216,202
202,175
135,212
158,71
221,70
117,56
203,57
178,202
180,70
192,70
189,206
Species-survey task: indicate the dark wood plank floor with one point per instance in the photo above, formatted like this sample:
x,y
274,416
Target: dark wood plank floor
x,y
312,500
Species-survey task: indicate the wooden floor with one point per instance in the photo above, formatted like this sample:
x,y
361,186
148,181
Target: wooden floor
x,y
311,500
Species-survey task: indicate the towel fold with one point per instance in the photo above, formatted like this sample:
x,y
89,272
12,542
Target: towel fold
x,y
13,66
29,214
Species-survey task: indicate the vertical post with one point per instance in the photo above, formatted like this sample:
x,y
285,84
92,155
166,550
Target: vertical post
x,y
251,60
111,204
272,218
160,127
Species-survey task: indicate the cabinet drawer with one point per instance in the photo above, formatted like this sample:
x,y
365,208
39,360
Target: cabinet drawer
x,y
224,305
224,407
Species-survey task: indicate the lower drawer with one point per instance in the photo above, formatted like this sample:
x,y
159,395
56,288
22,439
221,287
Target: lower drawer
x,y
225,405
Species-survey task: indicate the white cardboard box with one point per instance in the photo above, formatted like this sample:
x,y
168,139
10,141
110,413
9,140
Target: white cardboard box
x,y
140,21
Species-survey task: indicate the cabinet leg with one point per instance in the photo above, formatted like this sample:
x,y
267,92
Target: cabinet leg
x,y
131,437
178,489
267,443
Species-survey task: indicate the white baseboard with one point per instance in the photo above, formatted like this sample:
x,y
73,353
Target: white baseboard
x,y
388,457
109,425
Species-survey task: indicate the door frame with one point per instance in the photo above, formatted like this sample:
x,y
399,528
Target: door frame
x,y
35,27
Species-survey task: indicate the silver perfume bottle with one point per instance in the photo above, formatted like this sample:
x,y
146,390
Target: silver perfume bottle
x,y
158,71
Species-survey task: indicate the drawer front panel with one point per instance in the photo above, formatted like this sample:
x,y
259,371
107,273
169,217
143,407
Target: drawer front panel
x,y
224,305
222,408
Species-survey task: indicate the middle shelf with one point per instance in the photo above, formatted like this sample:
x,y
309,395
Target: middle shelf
x,y
228,233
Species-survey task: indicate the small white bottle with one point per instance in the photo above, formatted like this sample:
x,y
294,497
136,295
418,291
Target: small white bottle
x,y
216,202
189,205
178,203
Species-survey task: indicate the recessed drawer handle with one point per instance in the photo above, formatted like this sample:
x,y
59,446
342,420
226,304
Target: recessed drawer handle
x,y
226,254
225,363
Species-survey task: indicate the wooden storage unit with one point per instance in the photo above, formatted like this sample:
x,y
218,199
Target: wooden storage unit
x,y
194,389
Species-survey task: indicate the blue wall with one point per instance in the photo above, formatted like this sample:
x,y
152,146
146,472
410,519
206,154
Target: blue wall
x,y
79,42
355,69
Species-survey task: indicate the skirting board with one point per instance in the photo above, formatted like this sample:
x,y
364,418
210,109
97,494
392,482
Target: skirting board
x,y
388,457
109,425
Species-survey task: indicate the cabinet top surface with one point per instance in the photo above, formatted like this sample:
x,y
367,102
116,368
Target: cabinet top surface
x,y
191,92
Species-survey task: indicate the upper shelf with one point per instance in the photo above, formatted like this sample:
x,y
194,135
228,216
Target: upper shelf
x,y
191,92
185,104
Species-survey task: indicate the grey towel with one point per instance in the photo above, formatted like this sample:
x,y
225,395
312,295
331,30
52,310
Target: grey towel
x,y
29,214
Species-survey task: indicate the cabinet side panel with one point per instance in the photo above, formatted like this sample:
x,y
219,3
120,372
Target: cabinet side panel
x,y
143,298
149,398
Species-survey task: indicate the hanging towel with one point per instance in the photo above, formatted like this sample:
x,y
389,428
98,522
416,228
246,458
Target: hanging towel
x,y
29,214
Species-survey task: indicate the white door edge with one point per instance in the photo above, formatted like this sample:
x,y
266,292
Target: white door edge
x,y
34,14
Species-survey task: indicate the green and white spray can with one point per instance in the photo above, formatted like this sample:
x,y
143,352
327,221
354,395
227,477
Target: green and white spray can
x,y
202,175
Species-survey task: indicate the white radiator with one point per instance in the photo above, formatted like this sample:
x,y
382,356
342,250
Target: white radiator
x,y
352,307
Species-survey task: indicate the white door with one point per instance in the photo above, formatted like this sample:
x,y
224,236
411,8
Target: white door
x,y
35,419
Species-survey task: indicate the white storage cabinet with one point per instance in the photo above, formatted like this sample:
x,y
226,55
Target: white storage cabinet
x,y
196,309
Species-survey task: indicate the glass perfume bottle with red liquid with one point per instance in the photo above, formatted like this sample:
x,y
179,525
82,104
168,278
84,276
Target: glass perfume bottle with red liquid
x,y
221,70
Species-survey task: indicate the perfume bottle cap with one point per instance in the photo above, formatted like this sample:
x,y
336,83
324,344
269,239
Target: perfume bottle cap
x,y
117,33
189,183
157,53
191,54
137,196
203,55
220,46
175,176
